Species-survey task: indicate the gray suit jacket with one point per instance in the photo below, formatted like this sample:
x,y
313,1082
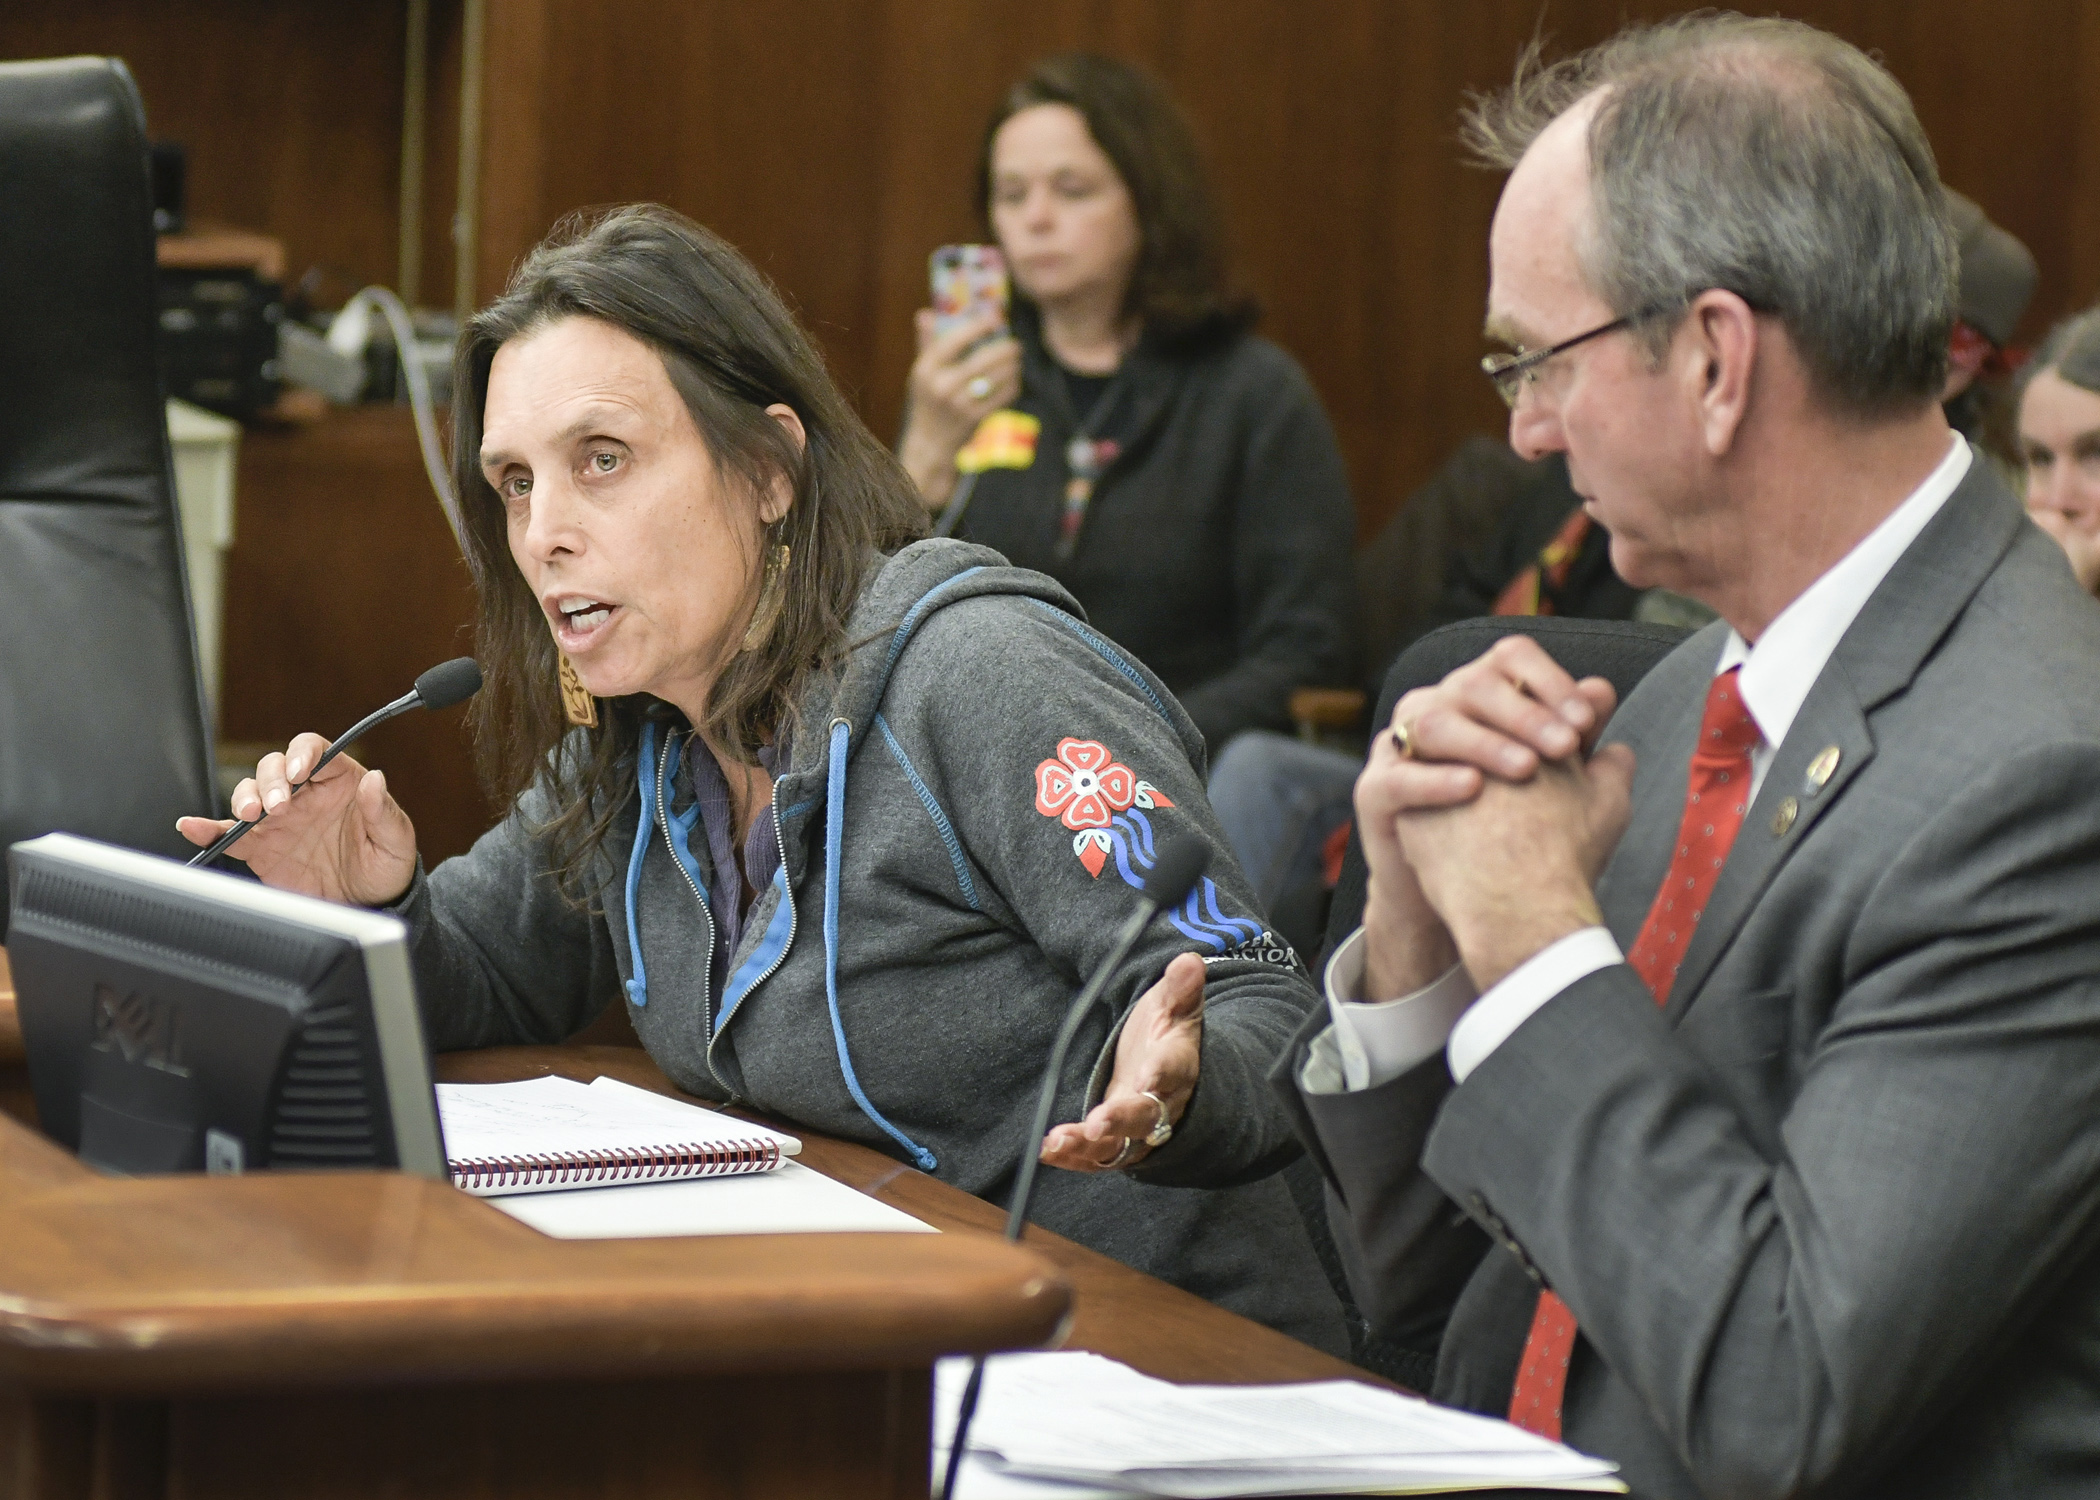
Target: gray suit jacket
x,y
1829,1218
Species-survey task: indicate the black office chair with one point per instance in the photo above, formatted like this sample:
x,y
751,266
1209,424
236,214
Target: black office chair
x,y
102,721
1620,651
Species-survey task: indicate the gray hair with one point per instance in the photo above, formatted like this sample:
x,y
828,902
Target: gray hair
x,y
1762,157
2071,352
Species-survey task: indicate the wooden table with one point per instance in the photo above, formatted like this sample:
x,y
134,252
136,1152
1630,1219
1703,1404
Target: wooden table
x,y
366,1333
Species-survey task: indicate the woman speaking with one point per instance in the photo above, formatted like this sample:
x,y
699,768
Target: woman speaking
x,y
1174,471
842,818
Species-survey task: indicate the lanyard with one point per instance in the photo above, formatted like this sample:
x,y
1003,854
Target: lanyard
x,y
1086,460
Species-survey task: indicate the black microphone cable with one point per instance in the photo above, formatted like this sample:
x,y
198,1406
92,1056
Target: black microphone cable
x,y
1181,861
442,686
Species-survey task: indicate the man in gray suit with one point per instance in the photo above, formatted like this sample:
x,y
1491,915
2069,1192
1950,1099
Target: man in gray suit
x,y
1722,1092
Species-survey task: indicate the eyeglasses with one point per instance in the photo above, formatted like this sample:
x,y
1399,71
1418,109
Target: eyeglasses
x,y
1512,372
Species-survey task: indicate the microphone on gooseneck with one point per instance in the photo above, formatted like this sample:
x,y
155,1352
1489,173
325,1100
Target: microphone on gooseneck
x,y
1181,861
442,686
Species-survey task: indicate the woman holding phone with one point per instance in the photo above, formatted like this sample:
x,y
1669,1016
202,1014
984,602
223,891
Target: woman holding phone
x,y
1125,432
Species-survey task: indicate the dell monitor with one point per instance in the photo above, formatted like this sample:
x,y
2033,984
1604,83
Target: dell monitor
x,y
181,1020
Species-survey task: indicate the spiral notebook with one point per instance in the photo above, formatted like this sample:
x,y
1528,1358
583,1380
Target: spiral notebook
x,y
550,1134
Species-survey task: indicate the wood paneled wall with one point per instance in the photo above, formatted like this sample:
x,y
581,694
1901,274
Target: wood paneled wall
x,y
291,109
291,113
834,143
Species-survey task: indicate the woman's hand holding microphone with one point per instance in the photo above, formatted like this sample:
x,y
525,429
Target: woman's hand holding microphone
x,y
956,382
342,838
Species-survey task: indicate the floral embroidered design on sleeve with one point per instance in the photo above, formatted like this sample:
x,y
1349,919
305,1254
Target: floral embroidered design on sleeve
x,y
1105,804
1088,790
1084,786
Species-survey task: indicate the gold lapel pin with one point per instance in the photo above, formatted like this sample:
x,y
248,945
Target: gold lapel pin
x,y
1822,768
1784,818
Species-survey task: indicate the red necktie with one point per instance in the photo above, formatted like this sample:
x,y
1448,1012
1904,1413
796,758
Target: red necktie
x,y
1525,594
1716,798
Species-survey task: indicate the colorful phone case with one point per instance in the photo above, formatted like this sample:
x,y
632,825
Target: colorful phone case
x,y
966,279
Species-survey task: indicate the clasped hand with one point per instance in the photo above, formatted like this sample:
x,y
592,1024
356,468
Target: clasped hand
x,y
1484,841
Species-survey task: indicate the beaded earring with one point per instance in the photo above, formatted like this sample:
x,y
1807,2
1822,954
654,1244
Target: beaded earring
x,y
772,598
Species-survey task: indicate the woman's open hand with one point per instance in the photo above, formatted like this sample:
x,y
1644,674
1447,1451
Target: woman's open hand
x,y
953,387
342,838
1158,1054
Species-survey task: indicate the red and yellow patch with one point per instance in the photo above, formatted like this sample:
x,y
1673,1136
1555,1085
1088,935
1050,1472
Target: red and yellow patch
x,y
1003,440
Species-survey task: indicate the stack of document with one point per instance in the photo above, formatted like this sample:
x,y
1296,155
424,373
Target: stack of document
x,y
1073,1425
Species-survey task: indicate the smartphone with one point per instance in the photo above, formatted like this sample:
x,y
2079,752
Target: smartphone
x,y
967,280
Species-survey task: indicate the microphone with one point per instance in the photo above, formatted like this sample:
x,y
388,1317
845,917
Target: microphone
x,y
442,686
1181,861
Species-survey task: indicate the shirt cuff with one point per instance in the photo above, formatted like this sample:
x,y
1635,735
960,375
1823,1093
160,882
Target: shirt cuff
x,y
1378,1042
1513,1001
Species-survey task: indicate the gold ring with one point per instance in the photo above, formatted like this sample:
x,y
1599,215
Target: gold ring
x,y
1404,739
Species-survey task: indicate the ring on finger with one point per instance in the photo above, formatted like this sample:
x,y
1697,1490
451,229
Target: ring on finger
x,y
1404,739
1122,1157
1162,1129
979,388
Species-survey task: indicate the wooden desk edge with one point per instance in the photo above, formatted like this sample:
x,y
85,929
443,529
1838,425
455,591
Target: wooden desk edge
x,y
1103,1305
165,1293
145,1294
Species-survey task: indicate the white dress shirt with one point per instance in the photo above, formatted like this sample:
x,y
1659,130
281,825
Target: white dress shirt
x,y
1370,1044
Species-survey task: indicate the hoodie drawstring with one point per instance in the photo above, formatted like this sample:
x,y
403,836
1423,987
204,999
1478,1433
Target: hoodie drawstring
x,y
834,849
645,773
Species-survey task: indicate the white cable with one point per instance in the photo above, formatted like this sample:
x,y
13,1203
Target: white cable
x,y
390,307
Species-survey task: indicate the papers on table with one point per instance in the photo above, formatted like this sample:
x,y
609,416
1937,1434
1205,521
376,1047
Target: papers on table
x,y
789,1199
1076,1425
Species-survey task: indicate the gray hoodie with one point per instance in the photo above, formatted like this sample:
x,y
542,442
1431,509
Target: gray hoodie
x,y
992,776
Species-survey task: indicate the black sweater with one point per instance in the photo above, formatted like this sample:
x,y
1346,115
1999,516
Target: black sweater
x,y
1216,546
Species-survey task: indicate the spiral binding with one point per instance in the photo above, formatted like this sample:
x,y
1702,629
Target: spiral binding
x,y
687,1159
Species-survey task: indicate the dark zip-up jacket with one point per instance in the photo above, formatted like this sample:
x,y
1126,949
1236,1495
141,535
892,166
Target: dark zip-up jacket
x,y
1216,547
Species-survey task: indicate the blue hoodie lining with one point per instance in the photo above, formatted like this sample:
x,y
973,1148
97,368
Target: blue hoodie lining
x,y
762,957
941,825
1108,654
681,824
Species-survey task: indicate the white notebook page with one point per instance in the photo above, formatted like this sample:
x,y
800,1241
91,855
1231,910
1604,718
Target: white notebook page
x,y
560,1118
790,1199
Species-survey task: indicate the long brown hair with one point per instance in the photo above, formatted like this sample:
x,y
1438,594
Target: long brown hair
x,y
1179,289
731,349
